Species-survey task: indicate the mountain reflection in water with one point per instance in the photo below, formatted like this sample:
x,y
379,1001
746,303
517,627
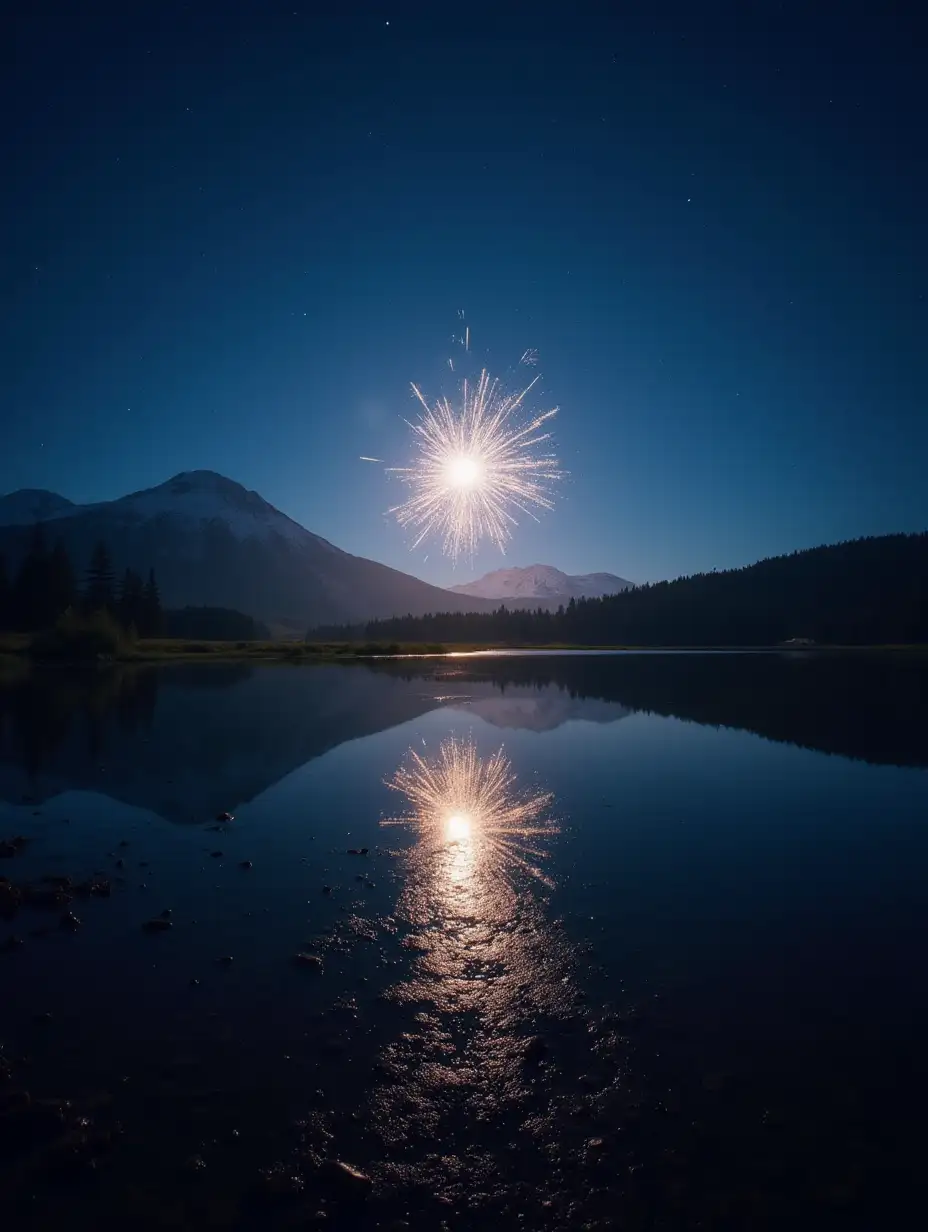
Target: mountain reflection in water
x,y
187,741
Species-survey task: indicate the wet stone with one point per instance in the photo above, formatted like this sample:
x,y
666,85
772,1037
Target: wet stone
x,y
347,1180
312,961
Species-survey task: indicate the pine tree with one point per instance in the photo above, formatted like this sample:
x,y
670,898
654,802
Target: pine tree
x,y
130,607
150,624
98,590
62,587
31,598
6,597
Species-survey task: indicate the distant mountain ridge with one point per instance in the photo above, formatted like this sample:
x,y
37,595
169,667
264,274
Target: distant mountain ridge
x,y
30,505
213,543
544,585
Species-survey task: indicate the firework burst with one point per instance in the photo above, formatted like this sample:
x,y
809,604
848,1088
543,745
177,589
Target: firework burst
x,y
459,799
480,462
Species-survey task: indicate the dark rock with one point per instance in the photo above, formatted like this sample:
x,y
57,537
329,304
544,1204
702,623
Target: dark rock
x,y
246,864
345,1179
358,851
36,896
11,944
217,855
120,863
225,960
124,843
61,880
194,1164
194,983
224,817
156,926
166,913
308,960
10,847
535,1051
326,889
11,898
69,922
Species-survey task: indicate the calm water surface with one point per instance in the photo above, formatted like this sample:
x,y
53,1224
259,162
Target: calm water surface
x,y
635,942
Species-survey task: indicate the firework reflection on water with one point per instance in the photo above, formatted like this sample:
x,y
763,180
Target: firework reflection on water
x,y
488,961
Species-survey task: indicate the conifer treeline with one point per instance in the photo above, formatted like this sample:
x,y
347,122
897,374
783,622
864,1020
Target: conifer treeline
x,y
46,586
870,591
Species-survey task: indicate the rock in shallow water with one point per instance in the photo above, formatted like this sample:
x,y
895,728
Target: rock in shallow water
x,y
347,1180
308,960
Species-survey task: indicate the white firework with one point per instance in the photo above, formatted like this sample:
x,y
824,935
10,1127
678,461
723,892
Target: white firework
x,y
480,463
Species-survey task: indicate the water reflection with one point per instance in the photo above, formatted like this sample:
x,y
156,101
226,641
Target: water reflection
x,y
464,805
189,741
489,965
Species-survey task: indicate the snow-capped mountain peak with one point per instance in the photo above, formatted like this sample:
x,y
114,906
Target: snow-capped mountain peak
x,y
205,496
542,582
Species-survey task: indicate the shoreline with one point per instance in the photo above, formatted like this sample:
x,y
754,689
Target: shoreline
x,y
16,648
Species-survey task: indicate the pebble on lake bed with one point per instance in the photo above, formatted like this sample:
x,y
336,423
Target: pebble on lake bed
x,y
224,817
343,1176
157,926
302,959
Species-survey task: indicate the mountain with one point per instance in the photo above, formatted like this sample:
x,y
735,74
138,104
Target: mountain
x,y
30,505
213,543
549,586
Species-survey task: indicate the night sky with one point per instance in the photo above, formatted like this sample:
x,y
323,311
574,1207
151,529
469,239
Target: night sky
x,y
235,232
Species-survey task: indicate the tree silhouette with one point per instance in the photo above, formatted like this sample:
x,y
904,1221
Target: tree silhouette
x,y
62,587
32,599
6,597
866,592
130,605
98,589
151,623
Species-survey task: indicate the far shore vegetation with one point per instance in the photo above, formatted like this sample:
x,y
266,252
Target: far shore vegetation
x,y
867,594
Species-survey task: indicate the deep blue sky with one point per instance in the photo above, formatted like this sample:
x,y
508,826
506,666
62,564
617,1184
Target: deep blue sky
x,y
237,231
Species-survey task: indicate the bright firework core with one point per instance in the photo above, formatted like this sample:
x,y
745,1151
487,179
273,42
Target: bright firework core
x,y
458,828
478,466
464,472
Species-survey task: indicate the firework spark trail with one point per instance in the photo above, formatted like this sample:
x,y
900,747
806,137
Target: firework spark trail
x,y
477,466
460,797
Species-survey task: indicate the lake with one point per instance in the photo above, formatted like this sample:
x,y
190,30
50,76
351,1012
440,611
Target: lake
x,y
581,941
